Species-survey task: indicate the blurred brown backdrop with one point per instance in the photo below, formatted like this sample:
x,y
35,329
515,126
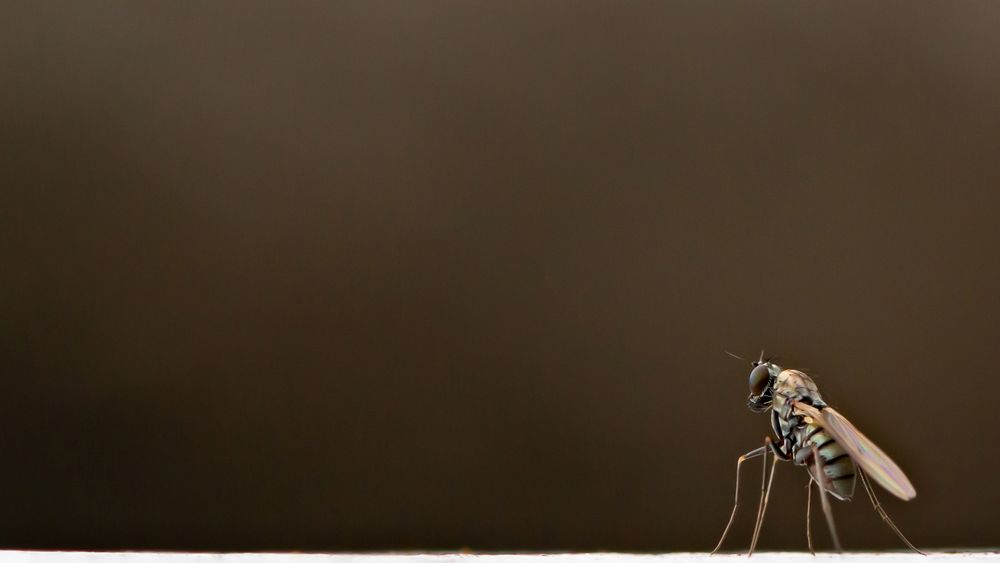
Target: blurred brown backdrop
x,y
432,275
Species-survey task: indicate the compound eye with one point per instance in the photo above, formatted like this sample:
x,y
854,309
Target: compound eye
x,y
758,379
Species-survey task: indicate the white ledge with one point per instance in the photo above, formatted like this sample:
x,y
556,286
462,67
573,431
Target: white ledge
x,y
761,557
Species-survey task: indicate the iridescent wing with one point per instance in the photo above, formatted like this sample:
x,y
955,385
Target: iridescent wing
x,y
863,451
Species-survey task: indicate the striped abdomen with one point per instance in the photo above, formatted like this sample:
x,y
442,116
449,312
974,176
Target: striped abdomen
x,y
837,463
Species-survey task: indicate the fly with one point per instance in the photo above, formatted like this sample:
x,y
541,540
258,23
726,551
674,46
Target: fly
x,y
808,432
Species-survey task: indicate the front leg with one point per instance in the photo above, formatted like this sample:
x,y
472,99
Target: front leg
x,y
782,448
765,494
761,451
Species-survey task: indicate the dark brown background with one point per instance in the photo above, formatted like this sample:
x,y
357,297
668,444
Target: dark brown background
x,y
380,275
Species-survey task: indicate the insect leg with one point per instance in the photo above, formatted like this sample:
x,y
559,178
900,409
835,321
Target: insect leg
x,y
809,498
749,455
878,508
822,481
765,495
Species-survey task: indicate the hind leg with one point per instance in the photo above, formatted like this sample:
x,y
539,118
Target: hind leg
x,y
881,511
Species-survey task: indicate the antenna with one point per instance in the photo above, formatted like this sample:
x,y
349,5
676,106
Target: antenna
x,y
734,355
